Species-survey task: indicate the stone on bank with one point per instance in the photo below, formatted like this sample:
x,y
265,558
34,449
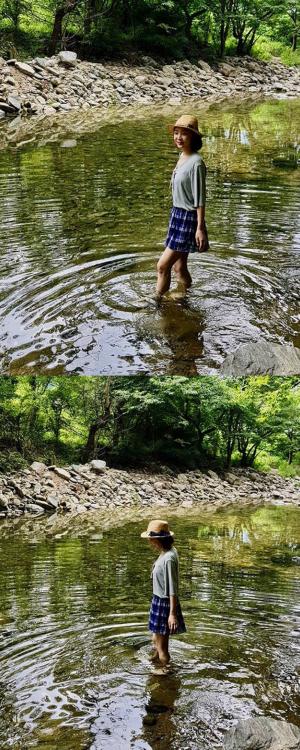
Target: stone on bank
x,y
66,83
83,488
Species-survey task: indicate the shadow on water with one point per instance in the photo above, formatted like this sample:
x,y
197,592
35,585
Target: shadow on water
x,y
75,651
82,228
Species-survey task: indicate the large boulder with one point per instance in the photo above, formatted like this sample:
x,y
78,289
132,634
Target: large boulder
x,y
67,58
98,466
262,733
262,358
38,467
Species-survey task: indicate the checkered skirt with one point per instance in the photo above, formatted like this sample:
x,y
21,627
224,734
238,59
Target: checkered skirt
x,y
159,613
182,230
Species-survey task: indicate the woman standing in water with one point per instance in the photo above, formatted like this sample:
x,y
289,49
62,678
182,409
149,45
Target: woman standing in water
x,y
165,616
187,229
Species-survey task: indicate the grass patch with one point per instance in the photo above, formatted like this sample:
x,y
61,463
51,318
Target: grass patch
x,y
266,49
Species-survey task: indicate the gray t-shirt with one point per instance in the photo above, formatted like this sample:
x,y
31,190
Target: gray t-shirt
x,y
165,574
188,183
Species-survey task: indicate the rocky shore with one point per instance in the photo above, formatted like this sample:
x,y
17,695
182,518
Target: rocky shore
x,y
47,86
79,489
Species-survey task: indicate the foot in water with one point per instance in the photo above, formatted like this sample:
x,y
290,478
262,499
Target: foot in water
x,y
162,669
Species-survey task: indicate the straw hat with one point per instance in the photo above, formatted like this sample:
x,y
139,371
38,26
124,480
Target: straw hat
x,y
157,530
188,122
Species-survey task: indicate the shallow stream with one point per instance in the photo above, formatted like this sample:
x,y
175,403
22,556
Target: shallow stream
x,y
83,220
74,645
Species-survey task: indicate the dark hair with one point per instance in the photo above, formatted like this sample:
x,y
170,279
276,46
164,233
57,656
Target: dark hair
x,y
196,141
166,542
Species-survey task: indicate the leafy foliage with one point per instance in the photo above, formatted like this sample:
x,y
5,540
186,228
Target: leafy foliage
x,y
201,421
171,28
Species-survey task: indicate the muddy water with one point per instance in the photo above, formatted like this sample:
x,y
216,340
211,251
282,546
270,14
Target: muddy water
x,y
83,222
74,655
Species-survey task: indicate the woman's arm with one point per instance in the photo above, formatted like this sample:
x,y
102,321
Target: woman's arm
x,y
172,619
198,185
201,232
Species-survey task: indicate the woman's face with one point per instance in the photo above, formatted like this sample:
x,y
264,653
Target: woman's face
x,y
182,138
154,543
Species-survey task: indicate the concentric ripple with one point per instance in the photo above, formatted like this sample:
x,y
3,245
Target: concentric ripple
x,y
74,644
82,229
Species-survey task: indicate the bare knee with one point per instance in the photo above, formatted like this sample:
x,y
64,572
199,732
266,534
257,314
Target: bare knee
x,y
178,266
162,267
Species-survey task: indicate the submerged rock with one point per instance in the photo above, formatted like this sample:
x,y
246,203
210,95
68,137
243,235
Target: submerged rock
x,y
263,733
134,641
262,358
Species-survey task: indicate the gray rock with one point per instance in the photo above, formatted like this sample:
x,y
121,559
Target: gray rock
x,y
34,508
2,114
14,101
49,110
262,358
262,733
5,107
63,473
26,69
42,62
52,501
67,58
3,503
68,143
19,491
98,466
213,475
38,467
205,66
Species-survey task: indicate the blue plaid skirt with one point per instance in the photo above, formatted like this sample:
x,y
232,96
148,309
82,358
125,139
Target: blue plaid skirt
x,y
182,230
159,613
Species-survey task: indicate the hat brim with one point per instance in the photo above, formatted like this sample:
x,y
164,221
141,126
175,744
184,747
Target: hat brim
x,y
171,129
146,535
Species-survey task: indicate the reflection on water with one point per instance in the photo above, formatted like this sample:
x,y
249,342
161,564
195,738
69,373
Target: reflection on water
x,y
74,646
83,226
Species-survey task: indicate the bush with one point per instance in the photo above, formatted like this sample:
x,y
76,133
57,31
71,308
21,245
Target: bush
x,y
11,461
265,49
267,462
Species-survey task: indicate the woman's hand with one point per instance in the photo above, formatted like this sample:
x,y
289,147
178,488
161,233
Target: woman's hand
x,y
172,623
202,240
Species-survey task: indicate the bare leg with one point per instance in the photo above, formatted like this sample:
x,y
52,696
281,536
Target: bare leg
x,y
182,272
162,643
154,654
164,267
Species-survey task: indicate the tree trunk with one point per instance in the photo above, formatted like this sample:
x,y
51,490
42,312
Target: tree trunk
x,y
90,10
89,449
240,46
57,30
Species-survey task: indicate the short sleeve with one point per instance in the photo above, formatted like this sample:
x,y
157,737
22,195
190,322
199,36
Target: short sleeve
x,y
198,183
171,573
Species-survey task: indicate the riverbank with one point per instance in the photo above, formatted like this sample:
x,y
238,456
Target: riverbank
x,y
80,489
48,86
